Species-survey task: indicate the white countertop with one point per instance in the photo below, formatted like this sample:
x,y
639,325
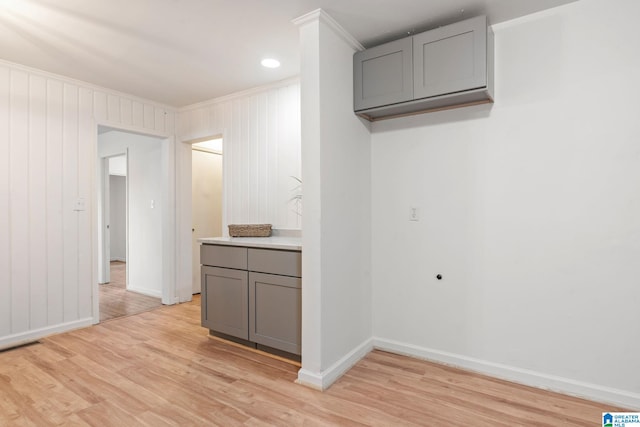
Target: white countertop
x,y
273,242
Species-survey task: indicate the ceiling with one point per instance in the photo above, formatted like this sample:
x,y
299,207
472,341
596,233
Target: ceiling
x,y
179,52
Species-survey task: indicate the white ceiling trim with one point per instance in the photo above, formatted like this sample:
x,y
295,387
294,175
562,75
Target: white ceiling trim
x,y
321,15
87,85
241,94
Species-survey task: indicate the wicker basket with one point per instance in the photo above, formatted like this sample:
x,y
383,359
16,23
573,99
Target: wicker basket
x,y
249,230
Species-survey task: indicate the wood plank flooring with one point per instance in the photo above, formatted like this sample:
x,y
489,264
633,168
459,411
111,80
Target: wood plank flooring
x,y
116,301
160,368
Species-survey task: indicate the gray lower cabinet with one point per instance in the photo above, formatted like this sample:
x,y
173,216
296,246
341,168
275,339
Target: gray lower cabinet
x,y
253,294
275,308
224,301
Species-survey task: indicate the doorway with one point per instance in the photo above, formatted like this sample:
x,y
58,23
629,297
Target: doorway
x,y
206,198
132,210
116,249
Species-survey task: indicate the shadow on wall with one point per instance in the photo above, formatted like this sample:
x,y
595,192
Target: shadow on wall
x,y
462,114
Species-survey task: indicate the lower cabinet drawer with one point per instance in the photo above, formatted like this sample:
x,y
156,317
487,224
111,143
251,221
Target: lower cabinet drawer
x,y
285,263
275,308
225,294
223,256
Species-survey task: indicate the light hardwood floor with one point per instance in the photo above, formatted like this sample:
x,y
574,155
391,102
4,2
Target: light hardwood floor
x,y
160,368
116,301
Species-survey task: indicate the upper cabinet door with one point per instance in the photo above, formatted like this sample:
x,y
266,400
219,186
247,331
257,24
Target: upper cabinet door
x,y
450,59
383,75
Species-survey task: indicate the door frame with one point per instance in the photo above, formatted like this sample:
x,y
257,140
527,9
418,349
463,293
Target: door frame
x,y
104,218
172,290
222,199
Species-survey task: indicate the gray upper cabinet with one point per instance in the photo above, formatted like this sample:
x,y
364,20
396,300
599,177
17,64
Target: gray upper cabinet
x,y
383,75
450,59
450,66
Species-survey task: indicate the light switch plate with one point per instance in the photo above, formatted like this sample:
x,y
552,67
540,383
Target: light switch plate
x,y
414,213
79,205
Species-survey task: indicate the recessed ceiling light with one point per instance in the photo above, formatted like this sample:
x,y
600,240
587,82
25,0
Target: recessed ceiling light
x,y
270,63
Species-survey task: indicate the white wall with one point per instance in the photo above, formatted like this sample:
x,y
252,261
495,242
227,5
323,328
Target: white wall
x,y
118,217
146,173
261,130
336,262
47,151
530,210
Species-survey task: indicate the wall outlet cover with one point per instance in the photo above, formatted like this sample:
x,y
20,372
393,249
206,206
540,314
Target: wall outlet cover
x,y
414,213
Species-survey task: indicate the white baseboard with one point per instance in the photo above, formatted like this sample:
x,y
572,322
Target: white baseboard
x,y
568,386
35,334
310,379
148,292
324,379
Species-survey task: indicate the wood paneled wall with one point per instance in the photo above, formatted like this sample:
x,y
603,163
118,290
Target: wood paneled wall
x,y
261,130
48,131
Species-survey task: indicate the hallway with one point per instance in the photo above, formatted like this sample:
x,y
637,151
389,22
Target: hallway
x,y
116,301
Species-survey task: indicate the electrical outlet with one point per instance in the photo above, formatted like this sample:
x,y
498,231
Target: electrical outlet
x,y
414,213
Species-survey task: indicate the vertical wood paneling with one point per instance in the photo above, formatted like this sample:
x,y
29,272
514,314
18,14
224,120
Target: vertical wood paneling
x,y
37,201
215,117
249,124
289,155
262,116
100,106
149,117
238,169
113,108
138,114
47,157
170,123
126,112
159,119
227,161
19,200
198,120
86,135
184,126
273,178
54,240
70,194
262,151
5,227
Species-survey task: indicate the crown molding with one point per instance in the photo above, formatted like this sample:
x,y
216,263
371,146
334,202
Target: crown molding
x,y
242,94
86,85
320,15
